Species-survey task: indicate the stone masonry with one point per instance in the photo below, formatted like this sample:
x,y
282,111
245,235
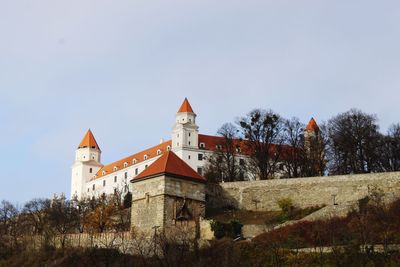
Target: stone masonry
x,y
304,192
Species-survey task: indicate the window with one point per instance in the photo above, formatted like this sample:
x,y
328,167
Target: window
x,y
218,147
88,190
168,148
136,171
147,196
126,175
202,145
188,156
158,152
189,143
145,157
238,150
134,161
145,166
241,162
93,187
103,172
90,170
189,134
200,171
104,183
115,179
115,168
125,164
200,157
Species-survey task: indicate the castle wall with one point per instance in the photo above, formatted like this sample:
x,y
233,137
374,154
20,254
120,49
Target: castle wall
x,y
305,192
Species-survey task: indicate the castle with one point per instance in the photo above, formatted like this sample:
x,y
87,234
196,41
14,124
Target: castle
x,y
91,178
166,182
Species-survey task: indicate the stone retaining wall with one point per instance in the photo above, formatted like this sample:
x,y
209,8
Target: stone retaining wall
x,y
305,192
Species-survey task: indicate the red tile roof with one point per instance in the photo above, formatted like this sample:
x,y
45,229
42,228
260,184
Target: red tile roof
x,y
89,141
210,144
170,164
185,107
151,153
312,125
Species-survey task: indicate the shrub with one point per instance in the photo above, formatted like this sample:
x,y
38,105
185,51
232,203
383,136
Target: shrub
x,y
286,205
218,229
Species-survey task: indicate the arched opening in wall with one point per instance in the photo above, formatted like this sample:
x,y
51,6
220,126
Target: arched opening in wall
x,y
90,170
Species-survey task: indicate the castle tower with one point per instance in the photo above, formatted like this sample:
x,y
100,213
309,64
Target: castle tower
x,y
169,195
315,149
185,134
87,163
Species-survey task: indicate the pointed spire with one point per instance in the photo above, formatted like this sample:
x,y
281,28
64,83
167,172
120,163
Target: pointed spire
x,y
89,141
185,107
312,125
170,164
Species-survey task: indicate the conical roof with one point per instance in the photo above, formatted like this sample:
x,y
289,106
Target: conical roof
x,y
312,125
170,164
89,141
185,107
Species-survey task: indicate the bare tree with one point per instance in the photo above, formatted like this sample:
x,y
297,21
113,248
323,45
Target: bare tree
x,y
390,150
63,218
353,143
225,163
263,131
294,156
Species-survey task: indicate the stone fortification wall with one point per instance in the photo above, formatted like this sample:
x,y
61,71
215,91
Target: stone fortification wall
x,y
305,192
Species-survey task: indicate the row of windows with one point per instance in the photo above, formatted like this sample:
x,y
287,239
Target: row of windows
x,y
134,161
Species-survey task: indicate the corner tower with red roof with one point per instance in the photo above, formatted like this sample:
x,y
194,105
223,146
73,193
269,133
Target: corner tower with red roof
x,y
87,163
315,149
167,196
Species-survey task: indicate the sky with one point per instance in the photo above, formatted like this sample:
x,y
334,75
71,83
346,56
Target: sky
x,y
122,68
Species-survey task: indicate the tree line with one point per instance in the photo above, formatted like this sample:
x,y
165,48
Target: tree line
x,y
264,145
49,222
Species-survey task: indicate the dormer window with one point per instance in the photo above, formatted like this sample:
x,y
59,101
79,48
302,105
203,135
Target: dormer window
x,y
115,168
103,172
202,145
219,147
238,150
158,152
134,161
168,148
145,157
125,164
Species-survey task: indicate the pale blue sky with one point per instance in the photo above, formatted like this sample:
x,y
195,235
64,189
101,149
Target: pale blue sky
x,y
123,67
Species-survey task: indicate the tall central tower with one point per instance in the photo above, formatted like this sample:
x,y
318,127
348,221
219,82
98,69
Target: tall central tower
x,y
185,134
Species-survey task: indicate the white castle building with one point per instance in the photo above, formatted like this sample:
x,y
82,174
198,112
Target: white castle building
x,y
91,178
